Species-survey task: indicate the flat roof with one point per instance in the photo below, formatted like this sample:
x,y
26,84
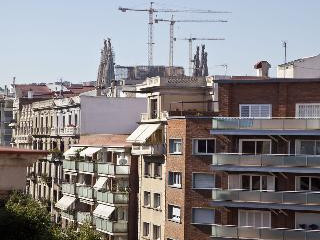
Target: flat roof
x,y
268,80
107,140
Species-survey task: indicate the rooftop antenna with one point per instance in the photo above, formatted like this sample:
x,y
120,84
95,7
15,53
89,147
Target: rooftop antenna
x,y
225,66
284,45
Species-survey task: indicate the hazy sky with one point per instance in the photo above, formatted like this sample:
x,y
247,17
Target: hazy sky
x,y
42,40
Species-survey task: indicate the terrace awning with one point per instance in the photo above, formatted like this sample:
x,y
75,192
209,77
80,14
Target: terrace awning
x,y
100,183
89,151
143,132
72,151
65,202
103,211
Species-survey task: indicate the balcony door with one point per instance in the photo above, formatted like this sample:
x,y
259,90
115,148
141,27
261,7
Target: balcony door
x,y
253,218
307,147
255,146
251,182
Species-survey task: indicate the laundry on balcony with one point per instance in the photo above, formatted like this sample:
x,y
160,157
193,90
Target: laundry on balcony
x,y
65,203
100,183
89,151
143,132
103,211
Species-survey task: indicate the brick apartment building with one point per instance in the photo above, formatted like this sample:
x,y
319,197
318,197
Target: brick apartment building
x,y
268,159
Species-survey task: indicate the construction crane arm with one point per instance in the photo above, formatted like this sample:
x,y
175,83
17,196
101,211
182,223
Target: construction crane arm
x,y
200,21
132,9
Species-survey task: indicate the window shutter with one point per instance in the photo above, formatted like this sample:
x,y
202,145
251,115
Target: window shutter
x,y
265,111
203,216
205,181
244,111
234,181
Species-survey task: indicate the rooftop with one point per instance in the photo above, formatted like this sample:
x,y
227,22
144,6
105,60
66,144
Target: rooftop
x,y
250,79
107,140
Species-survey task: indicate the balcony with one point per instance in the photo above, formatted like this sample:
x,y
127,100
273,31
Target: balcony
x,y
69,131
108,226
70,165
23,138
111,169
84,217
113,198
274,126
235,232
266,160
146,117
69,188
290,197
68,215
85,192
54,132
156,149
89,167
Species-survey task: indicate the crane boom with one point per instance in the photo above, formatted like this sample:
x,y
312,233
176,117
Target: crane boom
x,y
151,12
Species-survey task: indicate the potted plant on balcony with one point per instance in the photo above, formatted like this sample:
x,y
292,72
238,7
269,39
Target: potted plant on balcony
x,y
56,154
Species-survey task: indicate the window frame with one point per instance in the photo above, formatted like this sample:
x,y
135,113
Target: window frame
x,y
154,198
260,182
181,149
153,232
173,177
296,143
256,104
298,105
148,195
203,173
195,146
143,229
254,140
254,211
172,206
298,183
149,164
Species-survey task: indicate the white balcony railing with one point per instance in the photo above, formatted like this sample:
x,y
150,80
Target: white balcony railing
x,y
112,169
70,165
156,149
85,192
146,117
69,188
113,198
84,217
263,160
111,226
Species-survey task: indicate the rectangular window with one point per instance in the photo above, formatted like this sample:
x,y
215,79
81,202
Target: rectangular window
x,y
175,146
203,216
174,213
308,183
156,200
157,169
76,119
156,232
146,229
308,147
255,110
255,146
174,179
257,183
253,218
147,199
203,146
308,110
203,181
154,108
147,168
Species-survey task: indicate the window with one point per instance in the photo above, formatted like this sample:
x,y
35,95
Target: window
x,y
308,147
174,179
255,146
251,182
203,146
157,169
156,232
157,200
203,216
255,110
146,229
75,119
69,119
203,181
175,146
174,213
254,219
308,110
147,199
154,108
308,183
147,168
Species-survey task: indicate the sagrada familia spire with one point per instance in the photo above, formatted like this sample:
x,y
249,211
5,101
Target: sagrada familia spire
x,y
106,67
200,66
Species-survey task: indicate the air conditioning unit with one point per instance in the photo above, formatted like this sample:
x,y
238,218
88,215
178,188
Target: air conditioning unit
x,y
123,161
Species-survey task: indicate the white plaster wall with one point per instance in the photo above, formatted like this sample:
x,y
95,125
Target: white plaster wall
x,y
110,115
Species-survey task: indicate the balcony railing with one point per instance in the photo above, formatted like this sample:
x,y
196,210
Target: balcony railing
x,y
270,124
266,160
84,217
69,188
235,232
289,197
87,167
70,165
111,227
85,192
69,131
68,215
145,117
112,169
113,198
156,149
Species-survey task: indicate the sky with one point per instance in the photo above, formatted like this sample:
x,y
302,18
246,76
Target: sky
x,y
43,41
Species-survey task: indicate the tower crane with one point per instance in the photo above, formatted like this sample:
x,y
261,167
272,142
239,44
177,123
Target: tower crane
x,y
172,22
190,40
151,10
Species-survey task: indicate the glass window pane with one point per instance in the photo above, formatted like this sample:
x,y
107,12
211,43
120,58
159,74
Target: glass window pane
x,y
202,146
304,183
307,147
255,182
210,146
248,147
246,182
266,219
244,111
315,184
263,147
242,218
317,148
264,183
257,219
250,218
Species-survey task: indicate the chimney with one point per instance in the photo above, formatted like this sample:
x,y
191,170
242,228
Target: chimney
x,y
30,94
262,69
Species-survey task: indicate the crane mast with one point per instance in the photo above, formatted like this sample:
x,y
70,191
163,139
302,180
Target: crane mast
x,y
151,10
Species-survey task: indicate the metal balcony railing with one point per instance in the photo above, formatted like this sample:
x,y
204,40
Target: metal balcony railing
x,y
288,197
113,198
112,169
87,166
70,165
84,217
155,149
111,226
68,215
236,232
85,192
69,188
266,160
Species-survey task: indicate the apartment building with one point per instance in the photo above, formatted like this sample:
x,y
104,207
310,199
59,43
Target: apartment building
x,y
166,96
6,104
101,186
268,159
